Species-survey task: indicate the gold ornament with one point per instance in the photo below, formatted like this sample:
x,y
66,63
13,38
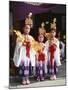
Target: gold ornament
x,y
34,44
19,35
53,24
48,35
28,20
42,29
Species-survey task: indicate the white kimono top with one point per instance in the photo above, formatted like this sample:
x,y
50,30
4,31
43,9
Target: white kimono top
x,y
57,52
20,54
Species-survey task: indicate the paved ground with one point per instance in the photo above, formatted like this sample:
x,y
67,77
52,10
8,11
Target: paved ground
x,y
61,80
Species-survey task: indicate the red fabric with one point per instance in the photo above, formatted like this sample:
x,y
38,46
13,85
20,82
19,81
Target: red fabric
x,y
27,44
52,49
41,56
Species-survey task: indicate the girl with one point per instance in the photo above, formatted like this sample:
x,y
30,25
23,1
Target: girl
x,y
41,58
53,53
24,55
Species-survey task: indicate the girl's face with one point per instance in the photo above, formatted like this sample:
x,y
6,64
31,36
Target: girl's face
x,y
53,33
27,29
40,38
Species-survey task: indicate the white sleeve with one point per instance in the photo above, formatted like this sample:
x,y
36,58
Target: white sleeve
x,y
17,53
47,46
57,54
32,57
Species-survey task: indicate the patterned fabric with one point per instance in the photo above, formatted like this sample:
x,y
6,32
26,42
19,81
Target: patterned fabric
x,y
52,69
40,68
25,69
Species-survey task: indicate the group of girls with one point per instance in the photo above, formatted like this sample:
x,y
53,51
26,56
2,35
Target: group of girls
x,y
44,60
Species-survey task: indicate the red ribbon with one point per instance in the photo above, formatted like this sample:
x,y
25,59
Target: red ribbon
x,y
27,44
41,56
52,49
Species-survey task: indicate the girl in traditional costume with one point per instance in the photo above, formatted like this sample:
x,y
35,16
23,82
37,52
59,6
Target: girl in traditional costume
x,y
53,52
24,55
41,58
